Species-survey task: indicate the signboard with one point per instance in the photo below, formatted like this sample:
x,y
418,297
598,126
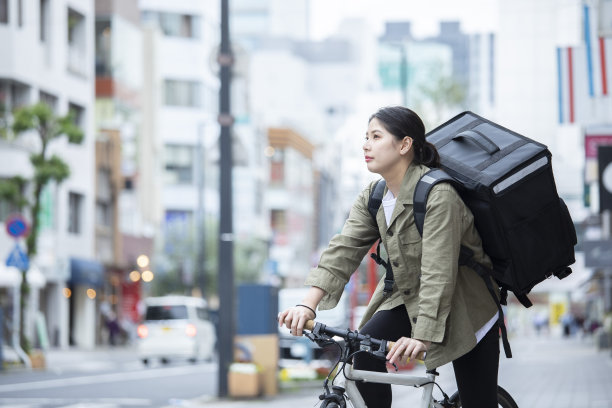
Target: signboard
x,y
17,226
130,300
18,259
604,165
598,254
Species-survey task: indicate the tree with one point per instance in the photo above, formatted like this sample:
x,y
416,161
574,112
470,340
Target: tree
x,y
442,95
40,119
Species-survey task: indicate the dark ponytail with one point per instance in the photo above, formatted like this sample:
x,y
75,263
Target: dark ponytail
x,y
401,122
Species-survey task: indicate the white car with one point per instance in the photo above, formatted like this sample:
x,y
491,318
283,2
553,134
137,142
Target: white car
x,y
176,327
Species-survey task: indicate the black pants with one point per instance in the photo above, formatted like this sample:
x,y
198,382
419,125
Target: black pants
x,y
475,372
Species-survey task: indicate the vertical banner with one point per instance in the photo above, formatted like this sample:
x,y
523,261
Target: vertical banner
x,y
130,299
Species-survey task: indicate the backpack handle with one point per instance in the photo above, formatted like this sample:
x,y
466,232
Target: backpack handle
x,y
479,140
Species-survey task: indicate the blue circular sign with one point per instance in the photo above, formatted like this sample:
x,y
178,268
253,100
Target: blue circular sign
x,y
17,226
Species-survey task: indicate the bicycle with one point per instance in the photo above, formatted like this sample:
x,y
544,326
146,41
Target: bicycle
x,y
343,384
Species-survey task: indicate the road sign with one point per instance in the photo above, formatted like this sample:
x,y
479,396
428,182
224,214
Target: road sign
x,y
18,259
17,226
598,254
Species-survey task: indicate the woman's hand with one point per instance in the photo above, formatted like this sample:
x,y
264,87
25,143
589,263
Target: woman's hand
x,y
295,318
406,349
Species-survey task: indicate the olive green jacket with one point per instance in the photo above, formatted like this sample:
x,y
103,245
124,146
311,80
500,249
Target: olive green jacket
x,y
447,304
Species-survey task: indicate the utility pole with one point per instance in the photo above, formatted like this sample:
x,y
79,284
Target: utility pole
x,y
226,236
201,218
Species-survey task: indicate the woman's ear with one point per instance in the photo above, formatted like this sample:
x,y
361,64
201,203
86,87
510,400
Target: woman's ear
x,y
406,145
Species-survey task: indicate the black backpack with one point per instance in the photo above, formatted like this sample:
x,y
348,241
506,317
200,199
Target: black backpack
x,y
507,182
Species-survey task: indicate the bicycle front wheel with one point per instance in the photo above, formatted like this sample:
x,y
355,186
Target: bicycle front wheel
x,y
504,399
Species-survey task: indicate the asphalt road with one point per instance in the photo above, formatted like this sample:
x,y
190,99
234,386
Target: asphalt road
x,y
105,378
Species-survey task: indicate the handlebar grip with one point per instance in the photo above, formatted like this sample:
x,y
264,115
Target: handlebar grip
x,y
309,325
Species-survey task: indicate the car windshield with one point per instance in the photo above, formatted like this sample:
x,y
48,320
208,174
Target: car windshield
x,y
166,312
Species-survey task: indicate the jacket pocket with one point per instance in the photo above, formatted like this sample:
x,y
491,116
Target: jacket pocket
x,y
410,246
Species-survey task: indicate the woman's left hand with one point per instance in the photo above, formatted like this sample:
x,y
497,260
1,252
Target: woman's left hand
x,y
406,349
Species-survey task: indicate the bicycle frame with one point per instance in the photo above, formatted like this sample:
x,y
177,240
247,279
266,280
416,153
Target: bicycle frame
x,y
344,386
354,396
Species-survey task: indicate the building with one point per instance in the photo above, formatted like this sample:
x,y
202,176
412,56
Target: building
x,y
183,69
289,198
128,210
57,69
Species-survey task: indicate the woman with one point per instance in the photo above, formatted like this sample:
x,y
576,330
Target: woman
x,y
435,306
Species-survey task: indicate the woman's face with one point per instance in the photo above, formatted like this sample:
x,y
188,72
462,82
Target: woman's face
x,y
383,152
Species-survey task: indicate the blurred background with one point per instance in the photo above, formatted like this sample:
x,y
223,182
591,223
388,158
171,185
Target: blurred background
x,y
109,189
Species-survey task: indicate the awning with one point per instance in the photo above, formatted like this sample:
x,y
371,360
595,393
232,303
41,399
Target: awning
x,y
86,272
35,277
10,276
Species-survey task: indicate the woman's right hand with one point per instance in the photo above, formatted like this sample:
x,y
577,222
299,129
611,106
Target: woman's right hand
x,y
295,318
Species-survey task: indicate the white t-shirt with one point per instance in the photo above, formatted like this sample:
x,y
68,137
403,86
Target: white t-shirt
x,y
388,203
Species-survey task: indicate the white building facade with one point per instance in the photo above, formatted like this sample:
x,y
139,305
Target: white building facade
x,y
47,55
184,70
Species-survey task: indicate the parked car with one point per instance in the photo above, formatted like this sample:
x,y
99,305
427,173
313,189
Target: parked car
x,y
176,327
298,350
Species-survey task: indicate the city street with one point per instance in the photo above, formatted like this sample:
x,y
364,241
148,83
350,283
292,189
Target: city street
x,y
105,378
545,372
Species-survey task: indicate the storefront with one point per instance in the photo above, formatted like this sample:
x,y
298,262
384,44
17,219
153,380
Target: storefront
x,y
86,279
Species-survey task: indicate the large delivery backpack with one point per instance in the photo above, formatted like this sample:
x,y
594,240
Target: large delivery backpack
x,y
506,180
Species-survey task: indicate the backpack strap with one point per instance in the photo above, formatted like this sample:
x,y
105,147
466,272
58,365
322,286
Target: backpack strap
x,y
373,205
466,258
466,255
376,197
421,192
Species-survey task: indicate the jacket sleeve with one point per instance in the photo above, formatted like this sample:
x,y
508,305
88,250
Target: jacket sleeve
x,y
345,252
442,232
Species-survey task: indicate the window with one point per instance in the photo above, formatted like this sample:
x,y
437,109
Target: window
x,y
20,13
78,115
178,164
166,312
182,93
49,99
104,196
4,12
75,213
174,24
277,167
44,20
9,190
104,214
76,34
103,48
202,313
20,95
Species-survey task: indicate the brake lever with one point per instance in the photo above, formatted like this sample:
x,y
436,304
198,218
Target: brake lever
x,y
320,339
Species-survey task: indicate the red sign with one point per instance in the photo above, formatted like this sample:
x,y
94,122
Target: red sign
x,y
130,298
592,142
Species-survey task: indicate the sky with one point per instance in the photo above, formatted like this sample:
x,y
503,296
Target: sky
x,y
475,15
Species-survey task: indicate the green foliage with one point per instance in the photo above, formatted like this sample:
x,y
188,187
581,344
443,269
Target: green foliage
x,y
443,94
40,119
11,191
46,170
249,257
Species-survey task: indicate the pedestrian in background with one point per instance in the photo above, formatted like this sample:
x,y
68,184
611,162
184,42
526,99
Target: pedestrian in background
x,y
434,305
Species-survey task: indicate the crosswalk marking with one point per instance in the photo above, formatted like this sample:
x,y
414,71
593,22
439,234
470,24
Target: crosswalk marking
x,y
75,402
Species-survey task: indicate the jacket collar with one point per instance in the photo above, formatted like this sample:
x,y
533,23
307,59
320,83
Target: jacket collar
x,y
406,194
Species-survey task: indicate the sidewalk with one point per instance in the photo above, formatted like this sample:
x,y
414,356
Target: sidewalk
x,y
545,372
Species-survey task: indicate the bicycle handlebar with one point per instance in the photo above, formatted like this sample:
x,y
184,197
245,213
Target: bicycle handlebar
x,y
345,333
